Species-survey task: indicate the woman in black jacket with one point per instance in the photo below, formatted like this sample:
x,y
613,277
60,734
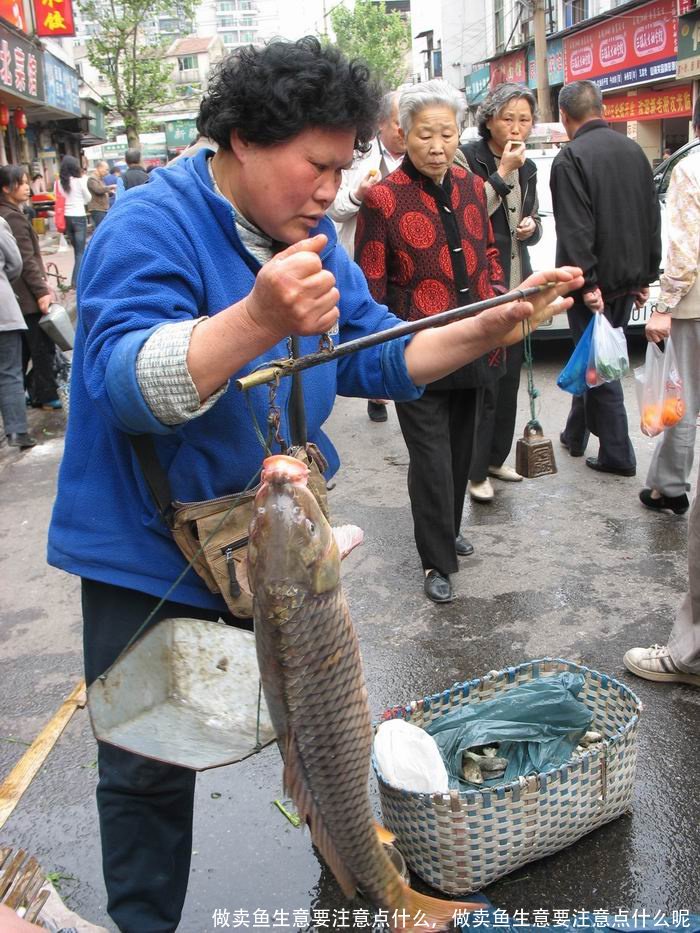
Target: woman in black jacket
x,y
31,288
505,120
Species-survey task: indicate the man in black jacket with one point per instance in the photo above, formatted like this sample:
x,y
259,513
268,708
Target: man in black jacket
x,y
135,173
608,222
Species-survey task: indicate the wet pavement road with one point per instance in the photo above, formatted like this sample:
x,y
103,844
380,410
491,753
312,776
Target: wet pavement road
x,y
569,565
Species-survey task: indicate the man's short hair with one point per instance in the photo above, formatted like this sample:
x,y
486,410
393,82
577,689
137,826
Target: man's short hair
x,y
581,100
271,94
132,156
101,162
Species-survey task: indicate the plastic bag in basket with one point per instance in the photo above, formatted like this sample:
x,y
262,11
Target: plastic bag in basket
x,y
572,378
608,359
659,389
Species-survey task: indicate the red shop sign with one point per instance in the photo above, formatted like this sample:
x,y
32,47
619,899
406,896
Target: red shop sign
x,y
54,17
640,45
650,105
511,69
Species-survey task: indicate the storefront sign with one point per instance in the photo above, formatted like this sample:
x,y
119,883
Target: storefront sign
x,y
555,64
650,105
689,46
685,6
13,12
180,133
511,69
476,84
54,17
61,85
20,67
96,116
638,46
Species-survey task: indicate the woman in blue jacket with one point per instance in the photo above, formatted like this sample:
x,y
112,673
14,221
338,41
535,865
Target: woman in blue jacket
x,y
199,276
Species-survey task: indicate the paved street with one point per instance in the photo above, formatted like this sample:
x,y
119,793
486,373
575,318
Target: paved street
x,y
567,566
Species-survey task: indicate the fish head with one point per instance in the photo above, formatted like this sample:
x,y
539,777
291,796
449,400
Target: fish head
x,y
290,542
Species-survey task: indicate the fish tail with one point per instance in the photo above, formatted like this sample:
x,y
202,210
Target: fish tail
x,y
423,912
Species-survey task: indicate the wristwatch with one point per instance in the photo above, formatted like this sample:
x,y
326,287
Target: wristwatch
x,y
662,308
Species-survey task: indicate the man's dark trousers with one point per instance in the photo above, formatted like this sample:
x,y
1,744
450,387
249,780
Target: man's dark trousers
x,y
144,806
601,411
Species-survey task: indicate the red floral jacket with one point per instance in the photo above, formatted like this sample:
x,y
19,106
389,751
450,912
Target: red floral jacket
x,y
426,248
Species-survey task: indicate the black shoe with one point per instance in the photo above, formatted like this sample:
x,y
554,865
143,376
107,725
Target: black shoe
x,y
376,411
595,464
437,587
574,451
23,441
677,504
463,547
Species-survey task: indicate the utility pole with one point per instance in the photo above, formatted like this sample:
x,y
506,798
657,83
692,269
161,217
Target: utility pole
x,y
541,62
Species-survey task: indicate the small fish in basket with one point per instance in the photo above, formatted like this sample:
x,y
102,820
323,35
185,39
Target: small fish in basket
x,y
311,672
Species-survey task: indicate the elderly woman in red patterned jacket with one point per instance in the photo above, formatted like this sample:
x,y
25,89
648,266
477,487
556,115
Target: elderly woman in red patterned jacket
x,y
425,244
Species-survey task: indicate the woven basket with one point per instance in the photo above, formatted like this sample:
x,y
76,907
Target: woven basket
x,y
461,841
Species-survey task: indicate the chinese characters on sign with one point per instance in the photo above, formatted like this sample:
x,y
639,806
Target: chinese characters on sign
x,y
20,69
638,47
54,17
476,83
180,133
511,69
689,46
61,85
555,64
652,105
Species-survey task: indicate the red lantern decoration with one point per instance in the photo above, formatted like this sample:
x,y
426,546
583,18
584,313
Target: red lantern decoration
x,y
4,115
20,121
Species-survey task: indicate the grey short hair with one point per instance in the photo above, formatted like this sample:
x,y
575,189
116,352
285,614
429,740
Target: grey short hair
x,y
386,104
497,99
581,99
430,93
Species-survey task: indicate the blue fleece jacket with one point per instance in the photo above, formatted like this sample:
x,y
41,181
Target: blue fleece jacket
x,y
169,251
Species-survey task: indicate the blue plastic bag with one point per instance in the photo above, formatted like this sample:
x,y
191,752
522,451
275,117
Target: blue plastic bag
x,y
537,726
572,378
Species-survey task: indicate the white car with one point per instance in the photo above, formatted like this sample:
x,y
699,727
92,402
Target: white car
x,y
542,254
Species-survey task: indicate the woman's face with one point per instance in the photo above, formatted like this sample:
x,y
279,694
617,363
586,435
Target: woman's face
x,y
513,121
432,140
21,193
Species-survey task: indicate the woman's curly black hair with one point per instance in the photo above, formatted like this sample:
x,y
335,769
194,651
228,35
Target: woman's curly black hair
x,y
272,94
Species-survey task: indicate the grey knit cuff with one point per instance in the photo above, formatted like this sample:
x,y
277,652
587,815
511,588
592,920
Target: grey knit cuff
x,y
163,377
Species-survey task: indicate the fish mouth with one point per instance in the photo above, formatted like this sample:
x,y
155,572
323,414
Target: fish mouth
x,y
281,469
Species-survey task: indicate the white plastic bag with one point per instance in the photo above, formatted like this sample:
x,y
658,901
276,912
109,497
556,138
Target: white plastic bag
x,y
659,389
409,758
608,358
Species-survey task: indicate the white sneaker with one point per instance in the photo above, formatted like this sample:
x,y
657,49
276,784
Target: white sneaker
x,y
480,492
505,473
656,663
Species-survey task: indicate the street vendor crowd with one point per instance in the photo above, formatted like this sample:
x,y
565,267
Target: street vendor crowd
x,y
242,254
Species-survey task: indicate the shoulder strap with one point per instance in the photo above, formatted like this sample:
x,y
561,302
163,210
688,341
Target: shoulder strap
x,y
154,474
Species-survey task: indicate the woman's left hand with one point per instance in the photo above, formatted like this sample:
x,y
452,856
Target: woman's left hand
x,y
525,228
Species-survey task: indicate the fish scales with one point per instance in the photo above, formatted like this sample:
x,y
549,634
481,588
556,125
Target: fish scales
x,y
311,672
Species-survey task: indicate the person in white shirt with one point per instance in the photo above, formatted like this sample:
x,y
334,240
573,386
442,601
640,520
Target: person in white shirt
x,y
73,186
386,153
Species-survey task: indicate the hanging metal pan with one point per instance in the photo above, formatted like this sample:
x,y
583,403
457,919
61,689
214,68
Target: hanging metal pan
x,y
186,693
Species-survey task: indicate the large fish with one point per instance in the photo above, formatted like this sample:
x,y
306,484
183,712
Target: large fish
x,y
312,677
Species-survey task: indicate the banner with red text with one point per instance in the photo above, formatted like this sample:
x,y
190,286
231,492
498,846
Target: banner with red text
x,y
650,105
637,46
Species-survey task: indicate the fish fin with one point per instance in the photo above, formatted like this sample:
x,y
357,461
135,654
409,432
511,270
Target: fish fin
x,y
423,911
384,835
347,537
296,786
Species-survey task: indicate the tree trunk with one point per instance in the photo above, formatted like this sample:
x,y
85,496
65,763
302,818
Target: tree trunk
x,y
131,124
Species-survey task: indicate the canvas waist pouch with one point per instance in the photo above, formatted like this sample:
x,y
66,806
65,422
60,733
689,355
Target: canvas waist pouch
x,y
213,534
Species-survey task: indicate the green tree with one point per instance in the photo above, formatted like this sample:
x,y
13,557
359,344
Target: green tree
x,y
380,38
133,67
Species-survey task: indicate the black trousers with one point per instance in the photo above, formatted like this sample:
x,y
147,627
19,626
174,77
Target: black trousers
x,y
496,418
439,433
40,348
601,411
145,807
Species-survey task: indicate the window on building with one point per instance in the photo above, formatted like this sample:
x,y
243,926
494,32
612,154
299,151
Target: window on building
x,y
248,36
498,25
575,11
225,6
551,12
230,38
223,22
437,63
187,62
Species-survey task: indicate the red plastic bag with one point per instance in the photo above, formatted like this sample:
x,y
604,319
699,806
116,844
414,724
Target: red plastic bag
x,y
659,390
59,209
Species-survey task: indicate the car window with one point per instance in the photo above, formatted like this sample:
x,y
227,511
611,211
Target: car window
x,y
672,163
